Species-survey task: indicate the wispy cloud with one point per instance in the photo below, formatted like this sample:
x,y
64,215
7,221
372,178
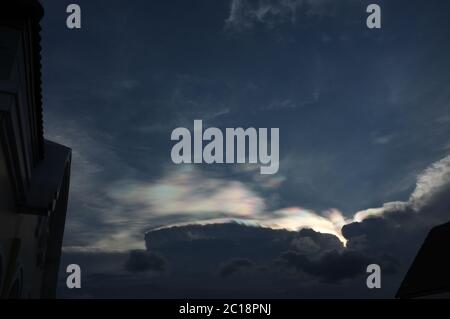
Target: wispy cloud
x,y
244,14
431,183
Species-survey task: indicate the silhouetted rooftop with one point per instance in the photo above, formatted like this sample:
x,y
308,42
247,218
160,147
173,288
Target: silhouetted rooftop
x,y
430,272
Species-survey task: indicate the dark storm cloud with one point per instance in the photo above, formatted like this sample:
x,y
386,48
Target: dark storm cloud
x,y
235,265
325,257
141,260
232,248
230,260
211,245
310,242
332,267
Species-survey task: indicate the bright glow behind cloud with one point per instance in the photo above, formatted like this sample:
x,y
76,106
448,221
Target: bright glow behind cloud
x,y
295,218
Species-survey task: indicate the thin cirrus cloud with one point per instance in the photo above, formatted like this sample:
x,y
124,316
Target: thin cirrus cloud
x,y
244,14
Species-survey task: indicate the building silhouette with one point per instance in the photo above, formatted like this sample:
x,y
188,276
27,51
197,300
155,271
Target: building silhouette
x,y
429,274
34,172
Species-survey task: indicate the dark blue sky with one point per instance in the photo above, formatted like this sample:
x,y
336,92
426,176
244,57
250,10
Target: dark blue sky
x,y
361,112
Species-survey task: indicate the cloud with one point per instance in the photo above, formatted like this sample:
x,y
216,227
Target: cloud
x,y
388,236
231,260
399,228
324,257
225,259
312,243
128,206
248,250
141,260
296,218
430,195
291,218
234,266
93,159
332,267
122,208
191,196
383,139
381,211
189,191
433,183
245,14
231,240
